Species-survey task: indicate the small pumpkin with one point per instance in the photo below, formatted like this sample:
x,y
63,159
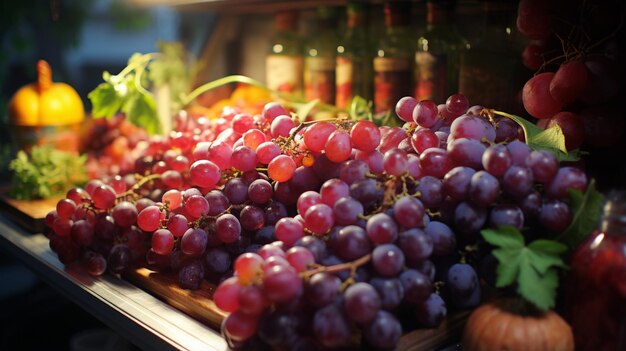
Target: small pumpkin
x,y
503,325
45,103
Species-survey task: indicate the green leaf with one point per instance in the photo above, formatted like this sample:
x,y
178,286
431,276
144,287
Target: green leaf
x,y
360,109
538,289
105,100
548,246
140,109
304,109
551,139
542,258
506,274
505,237
586,207
533,267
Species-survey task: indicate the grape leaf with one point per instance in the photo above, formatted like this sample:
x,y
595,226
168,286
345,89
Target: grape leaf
x,y
532,267
387,118
105,101
551,139
360,109
586,208
140,109
304,109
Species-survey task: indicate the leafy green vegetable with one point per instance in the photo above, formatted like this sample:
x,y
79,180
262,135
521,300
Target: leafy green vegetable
x,y
45,172
586,208
533,267
551,139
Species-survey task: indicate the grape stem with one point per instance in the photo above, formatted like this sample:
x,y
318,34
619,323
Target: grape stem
x,y
352,266
133,190
305,124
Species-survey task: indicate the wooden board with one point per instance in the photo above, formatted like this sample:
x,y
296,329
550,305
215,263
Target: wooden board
x,y
450,331
29,214
196,303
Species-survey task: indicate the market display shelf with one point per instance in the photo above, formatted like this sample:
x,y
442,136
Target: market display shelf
x,y
147,321
149,308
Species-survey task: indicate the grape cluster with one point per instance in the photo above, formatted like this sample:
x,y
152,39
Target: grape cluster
x,y
112,146
314,229
574,49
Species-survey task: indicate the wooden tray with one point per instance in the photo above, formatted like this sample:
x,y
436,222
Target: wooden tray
x,y
198,304
29,214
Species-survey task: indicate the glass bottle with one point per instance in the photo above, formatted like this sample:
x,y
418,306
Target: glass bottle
x,y
491,71
437,54
320,57
283,64
393,58
354,58
596,291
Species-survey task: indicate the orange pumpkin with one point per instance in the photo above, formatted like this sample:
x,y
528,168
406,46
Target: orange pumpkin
x,y
45,103
495,326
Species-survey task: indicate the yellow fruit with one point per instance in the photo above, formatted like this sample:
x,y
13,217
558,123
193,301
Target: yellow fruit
x,y
45,103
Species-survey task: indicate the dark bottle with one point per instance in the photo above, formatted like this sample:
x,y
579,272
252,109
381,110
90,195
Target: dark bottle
x,y
596,292
437,55
320,57
491,70
354,73
283,64
393,58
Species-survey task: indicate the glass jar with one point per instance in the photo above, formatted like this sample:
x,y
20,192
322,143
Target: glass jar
x,y
596,291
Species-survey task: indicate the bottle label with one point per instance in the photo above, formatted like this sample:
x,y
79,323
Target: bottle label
x,y
345,72
319,79
430,76
386,64
392,81
283,73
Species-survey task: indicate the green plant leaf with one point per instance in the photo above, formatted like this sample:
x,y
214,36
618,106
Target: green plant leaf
x,y
538,289
360,109
140,109
505,237
551,139
586,207
304,109
532,267
506,274
105,101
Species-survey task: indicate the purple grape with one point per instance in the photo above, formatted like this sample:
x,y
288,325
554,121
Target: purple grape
x,y
416,245
506,214
381,229
361,302
431,312
388,260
